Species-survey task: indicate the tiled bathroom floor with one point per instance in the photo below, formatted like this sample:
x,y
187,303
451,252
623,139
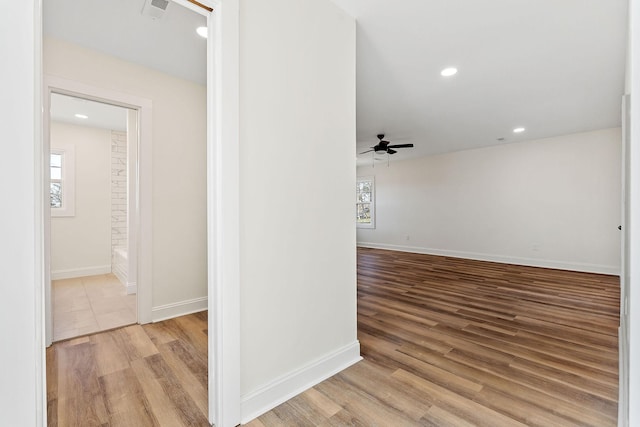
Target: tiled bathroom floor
x,y
90,304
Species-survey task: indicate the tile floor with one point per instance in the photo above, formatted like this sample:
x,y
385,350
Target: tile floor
x,y
85,305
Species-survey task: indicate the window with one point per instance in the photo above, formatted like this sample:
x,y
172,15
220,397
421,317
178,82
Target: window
x,y
62,185
365,202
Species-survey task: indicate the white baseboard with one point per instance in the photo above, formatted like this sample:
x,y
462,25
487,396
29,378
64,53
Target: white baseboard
x,y
530,262
287,386
131,287
80,272
169,311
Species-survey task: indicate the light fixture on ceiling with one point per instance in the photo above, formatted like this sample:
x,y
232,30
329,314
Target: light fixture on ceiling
x,y
519,130
81,116
202,32
449,71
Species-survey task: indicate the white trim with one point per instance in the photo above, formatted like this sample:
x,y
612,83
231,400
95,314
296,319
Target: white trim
x,y
295,382
131,288
223,211
143,217
133,139
80,272
176,309
623,378
623,331
634,220
41,214
505,259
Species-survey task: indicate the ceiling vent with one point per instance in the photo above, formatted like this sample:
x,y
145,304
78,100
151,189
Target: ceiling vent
x,y
154,8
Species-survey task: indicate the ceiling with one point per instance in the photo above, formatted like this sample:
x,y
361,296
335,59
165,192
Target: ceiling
x,y
552,67
118,28
64,109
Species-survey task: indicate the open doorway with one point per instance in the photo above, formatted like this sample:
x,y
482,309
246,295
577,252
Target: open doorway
x,y
220,194
92,172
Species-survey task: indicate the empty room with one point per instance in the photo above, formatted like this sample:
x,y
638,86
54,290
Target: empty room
x,y
346,213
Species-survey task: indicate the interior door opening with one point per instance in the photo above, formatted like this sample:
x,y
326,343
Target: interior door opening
x,y
92,170
221,183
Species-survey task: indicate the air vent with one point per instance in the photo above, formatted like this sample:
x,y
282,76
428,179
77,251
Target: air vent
x,y
154,8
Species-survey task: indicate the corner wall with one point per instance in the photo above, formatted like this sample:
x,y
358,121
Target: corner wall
x,y
297,175
22,354
550,203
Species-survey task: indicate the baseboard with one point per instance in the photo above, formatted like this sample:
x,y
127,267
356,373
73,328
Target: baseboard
x,y
169,311
287,386
623,375
131,287
530,262
80,272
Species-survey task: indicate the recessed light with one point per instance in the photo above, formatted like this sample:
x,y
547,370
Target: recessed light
x,y
202,32
518,130
448,72
82,116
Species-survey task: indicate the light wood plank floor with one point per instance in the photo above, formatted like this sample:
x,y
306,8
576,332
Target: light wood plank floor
x,y
446,342
151,375
452,342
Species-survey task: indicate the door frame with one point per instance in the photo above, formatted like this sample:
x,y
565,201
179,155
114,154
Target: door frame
x,y
223,209
625,277
142,254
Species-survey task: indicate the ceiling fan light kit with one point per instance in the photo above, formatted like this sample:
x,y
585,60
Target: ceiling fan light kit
x,y
385,147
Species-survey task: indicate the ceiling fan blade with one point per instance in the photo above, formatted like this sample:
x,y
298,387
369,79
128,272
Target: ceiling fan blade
x,y
368,151
401,146
390,151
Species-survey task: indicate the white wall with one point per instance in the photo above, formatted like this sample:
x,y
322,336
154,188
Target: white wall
x,y
20,273
297,174
81,244
553,202
179,163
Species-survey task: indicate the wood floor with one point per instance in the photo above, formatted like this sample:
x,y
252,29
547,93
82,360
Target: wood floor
x,y
451,342
151,375
446,342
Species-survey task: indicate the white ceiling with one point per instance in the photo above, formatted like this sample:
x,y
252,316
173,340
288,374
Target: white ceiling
x,y
118,27
64,109
553,67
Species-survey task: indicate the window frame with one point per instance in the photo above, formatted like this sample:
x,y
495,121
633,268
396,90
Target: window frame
x,y
371,203
67,181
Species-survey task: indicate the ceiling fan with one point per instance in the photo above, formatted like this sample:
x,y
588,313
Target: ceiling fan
x,y
383,146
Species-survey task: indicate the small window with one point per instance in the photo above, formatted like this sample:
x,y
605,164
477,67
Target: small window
x,y
365,202
62,182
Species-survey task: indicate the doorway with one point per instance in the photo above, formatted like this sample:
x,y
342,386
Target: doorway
x,y
90,297
91,166
221,195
